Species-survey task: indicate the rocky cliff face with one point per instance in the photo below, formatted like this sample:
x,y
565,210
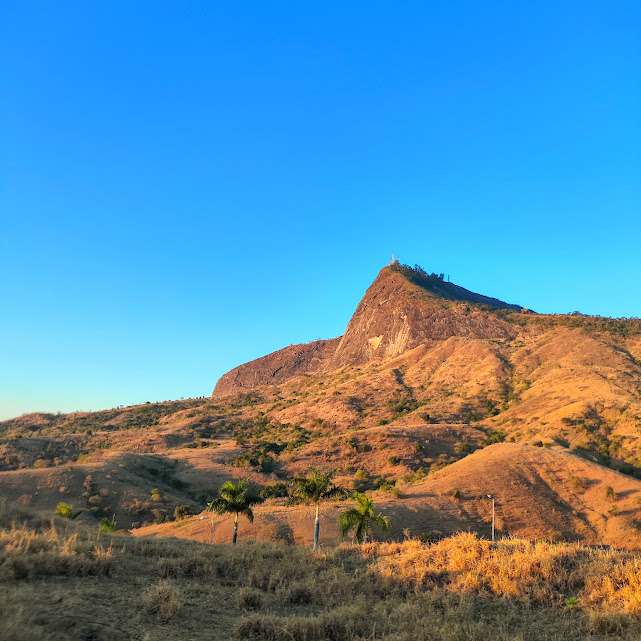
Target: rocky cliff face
x,y
277,367
396,315
399,311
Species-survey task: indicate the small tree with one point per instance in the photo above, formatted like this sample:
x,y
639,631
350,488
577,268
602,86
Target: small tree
x,y
232,499
180,512
106,525
66,511
361,519
313,488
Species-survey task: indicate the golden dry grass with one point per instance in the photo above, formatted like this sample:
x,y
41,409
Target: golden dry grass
x,y
460,588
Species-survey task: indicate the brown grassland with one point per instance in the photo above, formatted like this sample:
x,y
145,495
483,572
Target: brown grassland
x,y
63,581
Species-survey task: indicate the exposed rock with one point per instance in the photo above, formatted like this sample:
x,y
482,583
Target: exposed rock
x,y
396,315
277,367
400,310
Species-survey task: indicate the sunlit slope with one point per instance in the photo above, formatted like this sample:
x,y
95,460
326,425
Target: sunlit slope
x,y
426,381
538,494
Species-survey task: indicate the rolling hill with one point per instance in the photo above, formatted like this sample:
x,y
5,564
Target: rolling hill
x,y
431,389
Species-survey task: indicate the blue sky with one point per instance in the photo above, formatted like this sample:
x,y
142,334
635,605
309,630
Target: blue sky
x,y
187,186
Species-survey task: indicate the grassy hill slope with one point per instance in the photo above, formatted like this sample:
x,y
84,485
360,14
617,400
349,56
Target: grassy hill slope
x,y
446,379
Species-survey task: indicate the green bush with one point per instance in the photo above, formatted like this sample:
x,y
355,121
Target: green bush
x,y
66,511
181,511
106,525
276,490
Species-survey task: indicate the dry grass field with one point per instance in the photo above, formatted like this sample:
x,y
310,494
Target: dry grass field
x,y
61,581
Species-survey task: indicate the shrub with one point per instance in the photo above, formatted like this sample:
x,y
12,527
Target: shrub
x,y
276,490
162,599
66,511
555,536
393,460
249,599
159,515
181,511
495,436
577,484
276,533
610,493
106,525
463,448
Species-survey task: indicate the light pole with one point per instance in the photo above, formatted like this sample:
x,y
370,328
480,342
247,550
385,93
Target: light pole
x,y
491,496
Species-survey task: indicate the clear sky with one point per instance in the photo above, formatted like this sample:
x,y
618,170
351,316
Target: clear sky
x,y
185,186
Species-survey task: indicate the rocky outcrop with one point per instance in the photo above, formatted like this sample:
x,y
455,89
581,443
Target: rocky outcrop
x,y
400,310
396,315
277,367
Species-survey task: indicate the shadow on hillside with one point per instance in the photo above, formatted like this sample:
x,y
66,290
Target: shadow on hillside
x,y
427,520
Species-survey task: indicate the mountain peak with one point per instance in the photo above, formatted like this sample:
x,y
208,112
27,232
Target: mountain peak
x,y
404,307
437,285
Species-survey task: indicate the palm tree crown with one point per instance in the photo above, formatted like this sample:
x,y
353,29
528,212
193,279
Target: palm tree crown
x,y
361,519
313,488
232,499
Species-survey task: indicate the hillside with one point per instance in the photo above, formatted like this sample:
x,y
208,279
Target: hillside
x,y
539,494
427,381
400,310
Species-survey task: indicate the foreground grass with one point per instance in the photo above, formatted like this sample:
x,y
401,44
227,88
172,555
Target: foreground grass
x,y
62,581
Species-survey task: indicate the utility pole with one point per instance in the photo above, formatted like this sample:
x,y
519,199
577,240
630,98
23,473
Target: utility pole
x,y
491,496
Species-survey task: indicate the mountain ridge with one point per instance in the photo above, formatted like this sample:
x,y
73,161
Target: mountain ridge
x,y
409,420
403,307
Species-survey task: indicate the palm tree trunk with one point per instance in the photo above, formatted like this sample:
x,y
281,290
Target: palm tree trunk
x,y
316,529
235,530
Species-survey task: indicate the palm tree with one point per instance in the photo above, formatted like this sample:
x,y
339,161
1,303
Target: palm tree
x,y
232,500
361,519
313,488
